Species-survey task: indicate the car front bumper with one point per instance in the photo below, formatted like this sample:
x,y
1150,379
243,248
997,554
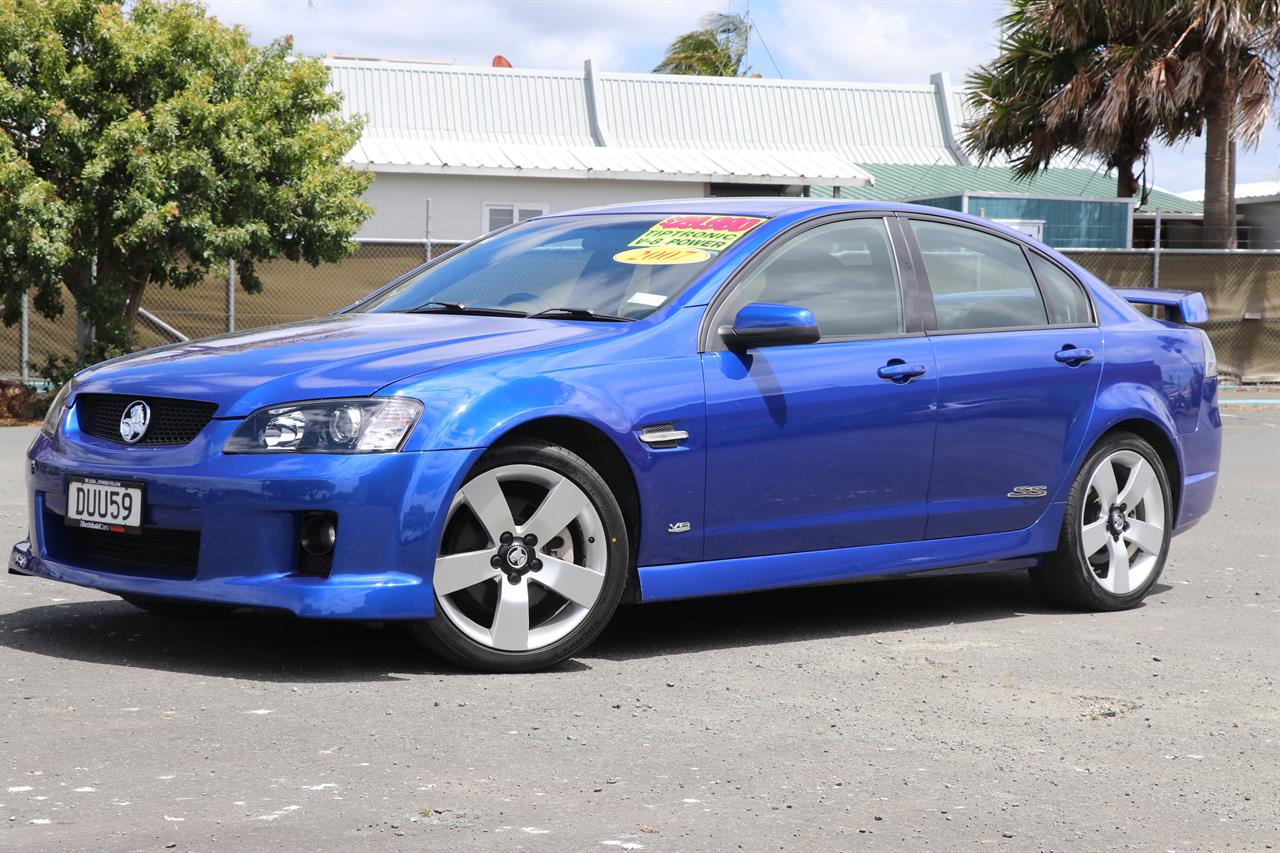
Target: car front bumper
x,y
244,512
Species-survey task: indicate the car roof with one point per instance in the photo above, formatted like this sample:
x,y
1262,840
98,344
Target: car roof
x,y
773,206
739,206
798,208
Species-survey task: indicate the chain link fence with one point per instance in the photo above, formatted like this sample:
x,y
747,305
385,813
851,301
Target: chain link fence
x,y
1241,287
291,291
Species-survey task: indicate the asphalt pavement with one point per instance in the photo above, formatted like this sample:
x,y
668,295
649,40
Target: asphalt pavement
x,y
945,714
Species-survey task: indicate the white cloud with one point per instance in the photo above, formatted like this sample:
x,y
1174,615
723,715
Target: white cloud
x,y
533,34
876,42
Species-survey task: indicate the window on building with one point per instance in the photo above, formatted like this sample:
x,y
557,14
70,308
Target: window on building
x,y
844,272
979,281
1033,228
501,215
1068,304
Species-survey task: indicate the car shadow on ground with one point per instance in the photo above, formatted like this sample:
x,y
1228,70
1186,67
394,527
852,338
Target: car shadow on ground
x,y
872,608
270,647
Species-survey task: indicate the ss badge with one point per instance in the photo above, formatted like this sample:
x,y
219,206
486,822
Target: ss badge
x,y
1028,492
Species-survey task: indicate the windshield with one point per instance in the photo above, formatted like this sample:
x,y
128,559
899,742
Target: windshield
x,y
611,266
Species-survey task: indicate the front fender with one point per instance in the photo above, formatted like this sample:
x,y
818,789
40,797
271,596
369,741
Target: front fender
x,y
474,408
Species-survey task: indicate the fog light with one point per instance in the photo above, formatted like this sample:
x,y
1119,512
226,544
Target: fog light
x,y
319,532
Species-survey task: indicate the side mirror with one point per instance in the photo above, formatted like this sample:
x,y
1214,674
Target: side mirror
x,y
763,324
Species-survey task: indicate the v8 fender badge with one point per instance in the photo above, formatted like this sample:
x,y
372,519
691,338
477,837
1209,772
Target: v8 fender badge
x,y
1028,492
679,527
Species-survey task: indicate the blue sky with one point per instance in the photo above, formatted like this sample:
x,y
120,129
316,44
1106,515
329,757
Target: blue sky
x,y
859,40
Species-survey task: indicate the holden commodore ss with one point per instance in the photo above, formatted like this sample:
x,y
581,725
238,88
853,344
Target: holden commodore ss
x,y
641,403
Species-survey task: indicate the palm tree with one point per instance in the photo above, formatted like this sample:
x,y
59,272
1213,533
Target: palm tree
x,y
1227,71
1100,78
718,48
1071,77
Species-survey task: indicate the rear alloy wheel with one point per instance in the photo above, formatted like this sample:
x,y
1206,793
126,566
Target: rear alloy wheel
x,y
1116,532
532,563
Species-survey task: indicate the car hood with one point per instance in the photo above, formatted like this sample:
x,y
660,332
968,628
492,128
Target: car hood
x,y
348,355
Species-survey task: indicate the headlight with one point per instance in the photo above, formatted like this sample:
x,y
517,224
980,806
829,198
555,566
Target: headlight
x,y
363,425
53,417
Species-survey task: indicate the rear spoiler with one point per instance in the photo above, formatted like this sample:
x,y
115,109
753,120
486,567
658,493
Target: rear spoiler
x,y
1183,306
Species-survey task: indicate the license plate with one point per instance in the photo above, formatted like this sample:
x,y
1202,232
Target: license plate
x,y
110,505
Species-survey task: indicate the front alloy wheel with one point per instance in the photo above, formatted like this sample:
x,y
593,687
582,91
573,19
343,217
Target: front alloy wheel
x,y
532,562
1115,535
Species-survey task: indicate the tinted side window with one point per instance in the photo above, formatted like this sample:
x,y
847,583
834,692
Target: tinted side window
x,y
1067,300
978,281
844,272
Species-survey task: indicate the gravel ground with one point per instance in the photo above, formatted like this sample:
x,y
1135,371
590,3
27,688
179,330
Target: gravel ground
x,y
945,713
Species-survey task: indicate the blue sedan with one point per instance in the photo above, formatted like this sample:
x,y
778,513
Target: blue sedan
x,y
641,403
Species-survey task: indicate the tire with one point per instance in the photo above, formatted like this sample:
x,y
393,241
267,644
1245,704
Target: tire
x,y
1116,530
172,608
512,594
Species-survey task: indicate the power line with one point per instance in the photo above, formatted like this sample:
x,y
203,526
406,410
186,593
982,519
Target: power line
x,y
751,22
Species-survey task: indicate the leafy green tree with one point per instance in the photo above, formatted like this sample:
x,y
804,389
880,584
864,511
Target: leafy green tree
x,y
718,48
145,143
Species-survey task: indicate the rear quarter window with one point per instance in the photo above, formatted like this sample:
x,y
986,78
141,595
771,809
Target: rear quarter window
x,y
1065,298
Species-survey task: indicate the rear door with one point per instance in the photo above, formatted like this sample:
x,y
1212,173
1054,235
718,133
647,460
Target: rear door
x,y
809,447
1019,357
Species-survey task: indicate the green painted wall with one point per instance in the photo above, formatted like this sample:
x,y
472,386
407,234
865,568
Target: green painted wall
x,y
1068,224
948,202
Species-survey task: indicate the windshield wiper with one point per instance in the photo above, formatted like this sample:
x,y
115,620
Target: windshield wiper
x,y
437,307
583,314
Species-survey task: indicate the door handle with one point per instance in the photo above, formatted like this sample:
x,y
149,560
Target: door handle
x,y
899,371
1073,356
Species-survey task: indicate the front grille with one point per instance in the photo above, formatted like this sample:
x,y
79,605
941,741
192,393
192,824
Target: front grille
x,y
155,551
172,421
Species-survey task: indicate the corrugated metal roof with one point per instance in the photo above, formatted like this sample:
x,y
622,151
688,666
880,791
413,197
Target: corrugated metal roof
x,y
424,117
863,122
446,118
677,164
442,103
902,181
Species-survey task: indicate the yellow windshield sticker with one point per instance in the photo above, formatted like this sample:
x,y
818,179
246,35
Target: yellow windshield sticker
x,y
659,255
710,233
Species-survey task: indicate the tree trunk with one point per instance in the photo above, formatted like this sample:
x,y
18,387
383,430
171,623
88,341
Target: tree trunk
x,y
1219,229
1126,181
78,278
1231,198
138,277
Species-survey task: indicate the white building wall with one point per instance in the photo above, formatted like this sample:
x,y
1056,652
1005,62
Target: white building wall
x,y
457,202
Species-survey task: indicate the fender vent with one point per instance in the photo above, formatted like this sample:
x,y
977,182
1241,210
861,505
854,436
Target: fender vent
x,y
663,436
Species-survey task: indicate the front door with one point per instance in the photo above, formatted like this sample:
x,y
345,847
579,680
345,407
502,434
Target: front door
x,y
829,444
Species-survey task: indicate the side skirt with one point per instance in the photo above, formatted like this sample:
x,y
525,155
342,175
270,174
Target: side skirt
x,y
961,554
